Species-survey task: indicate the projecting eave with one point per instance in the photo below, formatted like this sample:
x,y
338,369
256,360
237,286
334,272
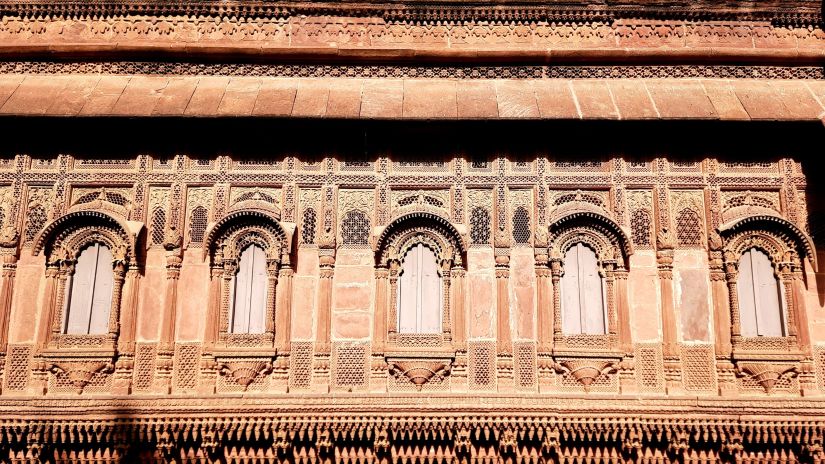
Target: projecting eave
x,y
411,98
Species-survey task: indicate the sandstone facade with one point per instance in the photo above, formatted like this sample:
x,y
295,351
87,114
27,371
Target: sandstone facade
x,y
665,146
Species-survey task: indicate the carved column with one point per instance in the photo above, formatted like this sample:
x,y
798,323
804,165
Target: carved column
x,y
283,326
209,367
555,273
55,272
731,275
791,299
796,281
392,318
505,342
166,347
323,336
623,310
670,351
125,362
721,316
544,298
283,310
8,269
378,364
459,331
379,334
446,312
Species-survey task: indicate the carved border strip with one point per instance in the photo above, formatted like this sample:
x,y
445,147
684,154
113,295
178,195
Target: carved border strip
x,y
414,72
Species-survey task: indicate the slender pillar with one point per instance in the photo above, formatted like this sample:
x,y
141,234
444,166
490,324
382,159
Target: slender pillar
x,y
8,261
327,271
124,365
623,310
544,298
8,268
505,344
796,280
555,273
379,332
210,336
283,325
664,259
166,347
49,303
323,336
721,311
459,317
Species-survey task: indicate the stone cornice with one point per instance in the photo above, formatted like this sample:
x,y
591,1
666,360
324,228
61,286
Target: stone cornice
x,y
785,13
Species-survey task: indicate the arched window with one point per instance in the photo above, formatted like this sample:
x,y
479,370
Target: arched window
x,y
249,292
90,292
419,292
760,299
582,295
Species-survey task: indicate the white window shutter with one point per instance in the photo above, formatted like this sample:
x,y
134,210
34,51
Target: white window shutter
x,y
766,294
243,283
102,297
90,298
429,293
747,302
419,292
408,293
80,302
570,303
257,300
591,295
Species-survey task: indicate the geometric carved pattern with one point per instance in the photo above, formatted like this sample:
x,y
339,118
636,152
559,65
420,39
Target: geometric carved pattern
x,y
349,366
521,226
36,219
524,362
17,367
300,365
819,360
482,364
144,366
198,204
640,226
480,226
687,208
649,368
308,226
698,368
186,365
688,228
355,229
158,227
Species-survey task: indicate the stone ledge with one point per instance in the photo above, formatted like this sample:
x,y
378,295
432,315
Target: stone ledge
x,y
355,98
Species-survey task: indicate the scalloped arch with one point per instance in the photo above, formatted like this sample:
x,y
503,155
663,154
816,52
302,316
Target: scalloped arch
x,y
416,220
802,240
130,230
593,218
240,216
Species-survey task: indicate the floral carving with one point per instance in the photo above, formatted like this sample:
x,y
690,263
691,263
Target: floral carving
x,y
766,374
80,373
420,371
245,372
586,371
